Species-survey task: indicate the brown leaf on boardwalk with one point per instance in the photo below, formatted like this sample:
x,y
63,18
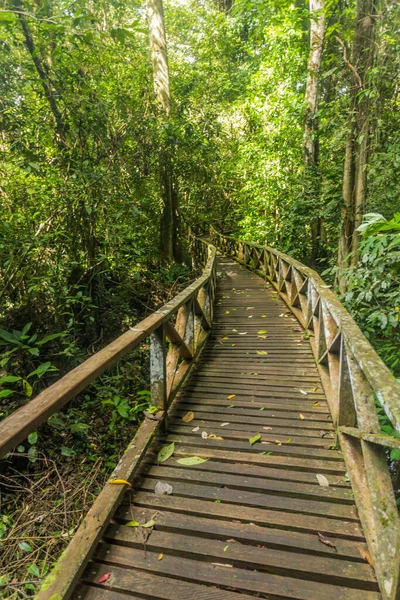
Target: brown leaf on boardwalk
x,y
278,442
188,417
327,542
302,417
365,555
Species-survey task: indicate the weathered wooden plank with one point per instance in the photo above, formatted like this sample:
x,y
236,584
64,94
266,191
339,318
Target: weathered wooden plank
x,y
282,562
244,497
246,533
241,481
249,514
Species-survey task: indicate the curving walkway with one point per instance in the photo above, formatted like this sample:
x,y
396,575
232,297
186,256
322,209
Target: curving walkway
x,y
253,521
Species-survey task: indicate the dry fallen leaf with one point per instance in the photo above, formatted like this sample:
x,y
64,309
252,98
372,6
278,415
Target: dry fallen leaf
x,y
262,352
188,417
315,389
104,578
119,482
163,488
322,480
204,435
302,417
195,429
160,556
268,428
224,424
278,442
231,396
149,524
316,403
303,392
327,542
212,436
221,565
365,555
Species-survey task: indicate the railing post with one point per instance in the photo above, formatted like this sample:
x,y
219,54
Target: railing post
x,y
158,369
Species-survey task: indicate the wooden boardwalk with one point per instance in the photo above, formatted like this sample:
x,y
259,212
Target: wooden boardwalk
x,y
253,521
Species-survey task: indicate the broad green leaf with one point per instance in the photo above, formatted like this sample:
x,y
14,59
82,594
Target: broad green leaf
x,y
8,337
256,438
5,393
33,437
65,451
9,379
189,461
25,547
41,370
166,452
49,338
28,389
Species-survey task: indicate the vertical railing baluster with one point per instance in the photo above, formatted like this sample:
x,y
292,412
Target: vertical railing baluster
x,y
158,369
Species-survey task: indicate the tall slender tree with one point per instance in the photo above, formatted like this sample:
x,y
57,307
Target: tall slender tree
x,y
170,239
354,188
310,140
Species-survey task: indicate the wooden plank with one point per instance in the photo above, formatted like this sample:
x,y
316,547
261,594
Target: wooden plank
x,y
296,490
262,471
63,578
152,585
246,533
262,446
266,517
229,432
282,562
225,577
249,402
275,419
190,489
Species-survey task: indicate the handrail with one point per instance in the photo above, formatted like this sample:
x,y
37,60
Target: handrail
x,y
185,321
352,375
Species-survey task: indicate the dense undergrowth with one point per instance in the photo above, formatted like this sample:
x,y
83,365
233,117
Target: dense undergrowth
x,y
49,481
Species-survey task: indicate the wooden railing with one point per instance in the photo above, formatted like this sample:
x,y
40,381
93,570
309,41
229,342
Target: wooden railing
x,y
177,332
354,377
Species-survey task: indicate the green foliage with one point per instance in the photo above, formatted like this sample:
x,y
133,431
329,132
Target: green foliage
x,y
373,295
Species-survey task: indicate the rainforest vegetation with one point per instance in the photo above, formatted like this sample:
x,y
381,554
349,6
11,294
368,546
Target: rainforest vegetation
x,y
123,123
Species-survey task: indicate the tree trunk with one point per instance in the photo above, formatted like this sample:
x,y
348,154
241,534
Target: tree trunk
x,y
354,188
42,71
170,238
312,176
